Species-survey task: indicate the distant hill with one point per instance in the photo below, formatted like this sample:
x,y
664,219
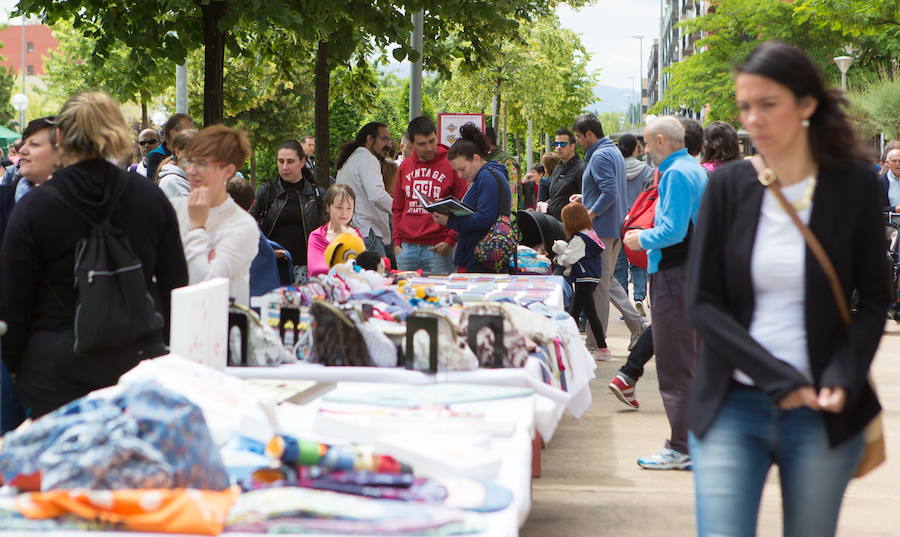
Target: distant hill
x,y
606,98
610,99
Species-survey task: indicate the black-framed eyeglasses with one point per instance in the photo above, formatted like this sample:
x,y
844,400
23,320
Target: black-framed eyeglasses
x,y
560,144
149,141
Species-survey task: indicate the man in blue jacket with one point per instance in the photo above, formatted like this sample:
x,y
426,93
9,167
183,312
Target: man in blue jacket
x,y
604,189
681,185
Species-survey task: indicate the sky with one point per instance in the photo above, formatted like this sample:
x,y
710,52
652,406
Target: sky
x,y
605,27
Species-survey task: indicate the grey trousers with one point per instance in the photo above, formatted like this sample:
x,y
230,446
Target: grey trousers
x,y
676,345
609,290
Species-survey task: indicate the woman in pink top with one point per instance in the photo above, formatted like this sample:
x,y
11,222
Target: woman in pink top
x,y
340,200
720,145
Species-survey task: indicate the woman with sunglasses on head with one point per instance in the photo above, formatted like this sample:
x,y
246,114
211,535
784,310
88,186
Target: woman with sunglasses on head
x,y
782,375
220,238
37,293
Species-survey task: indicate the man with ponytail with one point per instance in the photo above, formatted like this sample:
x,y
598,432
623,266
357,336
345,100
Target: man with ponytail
x,y
359,167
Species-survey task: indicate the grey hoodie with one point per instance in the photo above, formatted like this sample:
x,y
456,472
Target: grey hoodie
x,y
639,176
173,181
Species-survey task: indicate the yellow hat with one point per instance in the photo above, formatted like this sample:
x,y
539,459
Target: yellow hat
x,y
344,247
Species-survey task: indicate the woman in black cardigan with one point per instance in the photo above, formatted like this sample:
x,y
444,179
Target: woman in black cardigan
x,y
780,379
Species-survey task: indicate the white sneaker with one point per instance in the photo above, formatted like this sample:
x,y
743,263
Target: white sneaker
x,y
667,459
639,306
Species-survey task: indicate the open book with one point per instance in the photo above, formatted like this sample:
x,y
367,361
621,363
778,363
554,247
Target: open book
x,y
447,205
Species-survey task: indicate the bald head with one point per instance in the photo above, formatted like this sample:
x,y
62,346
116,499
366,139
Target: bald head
x,y
663,136
893,161
148,140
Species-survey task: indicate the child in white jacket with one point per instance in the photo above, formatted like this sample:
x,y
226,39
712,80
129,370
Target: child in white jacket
x,y
581,259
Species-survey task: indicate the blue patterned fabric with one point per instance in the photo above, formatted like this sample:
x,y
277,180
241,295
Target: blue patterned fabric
x,y
146,437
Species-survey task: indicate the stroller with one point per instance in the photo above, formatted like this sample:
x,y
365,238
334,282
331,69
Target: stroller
x,y
539,229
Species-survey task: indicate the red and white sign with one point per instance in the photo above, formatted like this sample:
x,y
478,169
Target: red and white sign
x,y
449,125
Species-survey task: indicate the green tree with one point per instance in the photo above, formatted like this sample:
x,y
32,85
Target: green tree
x,y
77,65
531,83
704,79
7,81
876,109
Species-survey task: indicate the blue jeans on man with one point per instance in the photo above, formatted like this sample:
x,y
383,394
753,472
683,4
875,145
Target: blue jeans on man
x,y
638,276
419,256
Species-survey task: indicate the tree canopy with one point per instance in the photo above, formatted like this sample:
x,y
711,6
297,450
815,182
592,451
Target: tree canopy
x,y
735,27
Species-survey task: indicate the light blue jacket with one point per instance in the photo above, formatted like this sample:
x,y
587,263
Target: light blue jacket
x,y
681,185
604,187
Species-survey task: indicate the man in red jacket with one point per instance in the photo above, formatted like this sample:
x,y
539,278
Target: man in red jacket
x,y
420,243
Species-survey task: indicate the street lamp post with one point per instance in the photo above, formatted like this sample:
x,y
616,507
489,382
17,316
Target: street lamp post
x,y
640,39
843,63
20,103
630,99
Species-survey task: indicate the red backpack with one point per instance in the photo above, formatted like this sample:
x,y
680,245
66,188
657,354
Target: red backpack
x,y
641,217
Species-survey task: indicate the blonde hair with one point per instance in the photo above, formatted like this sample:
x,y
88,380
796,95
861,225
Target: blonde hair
x,y
92,126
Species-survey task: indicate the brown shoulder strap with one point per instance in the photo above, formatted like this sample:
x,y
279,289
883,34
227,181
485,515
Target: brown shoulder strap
x,y
769,180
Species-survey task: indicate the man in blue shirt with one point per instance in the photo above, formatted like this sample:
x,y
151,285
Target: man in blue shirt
x,y
604,193
681,185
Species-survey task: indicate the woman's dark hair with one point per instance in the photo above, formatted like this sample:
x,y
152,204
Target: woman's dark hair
x,y
693,135
41,123
293,145
172,123
369,129
720,143
470,143
832,139
539,168
627,145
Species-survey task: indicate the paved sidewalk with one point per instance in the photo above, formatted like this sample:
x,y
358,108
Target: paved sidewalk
x,y
592,486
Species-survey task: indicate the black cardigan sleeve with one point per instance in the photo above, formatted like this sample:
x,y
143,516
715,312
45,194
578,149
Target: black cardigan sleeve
x,y
21,270
171,267
706,300
849,365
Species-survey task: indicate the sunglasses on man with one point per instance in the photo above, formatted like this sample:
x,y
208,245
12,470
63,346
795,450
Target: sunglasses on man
x,y
151,141
560,144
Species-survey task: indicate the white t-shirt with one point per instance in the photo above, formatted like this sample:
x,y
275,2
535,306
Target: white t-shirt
x,y
231,234
778,273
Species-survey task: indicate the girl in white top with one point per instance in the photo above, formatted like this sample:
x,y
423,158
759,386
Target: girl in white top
x,y
220,239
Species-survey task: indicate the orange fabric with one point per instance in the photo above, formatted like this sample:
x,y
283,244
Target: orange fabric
x,y
201,512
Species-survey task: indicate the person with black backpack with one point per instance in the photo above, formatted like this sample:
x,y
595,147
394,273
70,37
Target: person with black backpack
x,y
87,266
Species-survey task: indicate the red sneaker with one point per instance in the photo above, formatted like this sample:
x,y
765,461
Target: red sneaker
x,y
624,391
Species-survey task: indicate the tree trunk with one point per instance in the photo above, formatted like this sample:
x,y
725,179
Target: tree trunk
x,y
214,61
323,144
144,121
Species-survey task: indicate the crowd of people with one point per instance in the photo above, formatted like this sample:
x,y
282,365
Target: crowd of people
x,y
728,258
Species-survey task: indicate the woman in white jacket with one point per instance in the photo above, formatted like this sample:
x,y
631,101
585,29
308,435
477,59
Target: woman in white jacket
x,y
581,258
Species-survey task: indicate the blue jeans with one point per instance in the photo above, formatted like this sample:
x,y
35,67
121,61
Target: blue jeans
x,y
638,276
418,256
751,433
374,243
